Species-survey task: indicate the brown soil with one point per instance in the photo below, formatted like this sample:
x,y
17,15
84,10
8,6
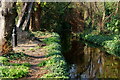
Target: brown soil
x,y
36,54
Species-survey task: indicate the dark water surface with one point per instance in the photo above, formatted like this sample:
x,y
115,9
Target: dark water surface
x,y
91,62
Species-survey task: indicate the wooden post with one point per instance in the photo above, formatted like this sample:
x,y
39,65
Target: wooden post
x,y
14,37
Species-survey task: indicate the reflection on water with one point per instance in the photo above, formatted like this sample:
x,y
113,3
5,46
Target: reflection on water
x,y
90,62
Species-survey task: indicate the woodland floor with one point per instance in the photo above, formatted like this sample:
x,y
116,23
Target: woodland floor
x,y
36,56
35,51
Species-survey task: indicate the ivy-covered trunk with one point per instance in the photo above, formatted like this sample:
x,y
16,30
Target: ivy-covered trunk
x,y
7,22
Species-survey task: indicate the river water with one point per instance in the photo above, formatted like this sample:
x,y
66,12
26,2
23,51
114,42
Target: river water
x,y
90,62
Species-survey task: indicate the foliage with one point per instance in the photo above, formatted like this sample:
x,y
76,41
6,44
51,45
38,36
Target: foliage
x,y
16,56
43,63
53,46
110,7
111,43
39,33
112,46
32,49
18,6
53,15
3,59
56,64
13,71
51,40
42,34
57,67
103,16
113,24
17,64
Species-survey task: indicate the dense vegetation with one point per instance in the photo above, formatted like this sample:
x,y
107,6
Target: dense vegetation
x,y
111,43
95,22
8,70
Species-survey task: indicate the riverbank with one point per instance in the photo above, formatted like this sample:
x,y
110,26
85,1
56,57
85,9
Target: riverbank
x,y
56,63
110,42
39,57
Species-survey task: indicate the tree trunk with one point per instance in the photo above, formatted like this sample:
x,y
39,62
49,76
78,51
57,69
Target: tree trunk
x,y
103,17
7,22
35,18
21,15
119,9
26,23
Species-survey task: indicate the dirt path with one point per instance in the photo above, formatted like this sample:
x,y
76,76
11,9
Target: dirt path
x,y
36,54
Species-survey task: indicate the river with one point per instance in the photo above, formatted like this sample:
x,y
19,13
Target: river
x,y
88,61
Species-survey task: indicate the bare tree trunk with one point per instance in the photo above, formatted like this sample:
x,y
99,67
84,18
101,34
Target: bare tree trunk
x,y
7,22
103,17
21,16
35,18
119,8
26,23
92,14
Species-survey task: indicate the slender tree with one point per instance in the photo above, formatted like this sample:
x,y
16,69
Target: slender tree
x,y
35,17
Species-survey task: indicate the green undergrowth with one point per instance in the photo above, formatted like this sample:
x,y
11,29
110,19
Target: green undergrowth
x,y
3,59
17,64
15,56
41,34
111,42
56,63
43,63
13,70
